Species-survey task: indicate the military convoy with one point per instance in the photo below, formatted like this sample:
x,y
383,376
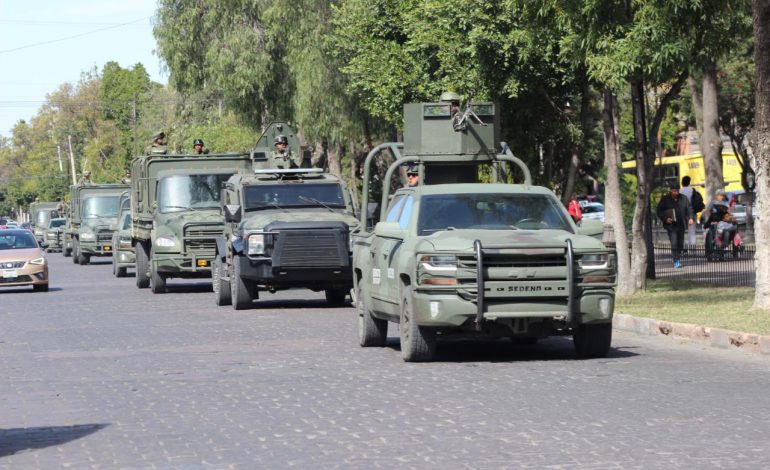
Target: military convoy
x,y
93,214
39,215
286,227
176,214
452,255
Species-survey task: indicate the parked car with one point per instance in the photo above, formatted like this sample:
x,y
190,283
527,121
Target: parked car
x,y
593,211
738,200
22,261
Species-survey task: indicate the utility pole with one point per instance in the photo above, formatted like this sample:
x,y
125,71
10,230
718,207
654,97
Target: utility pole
x,y
58,153
72,161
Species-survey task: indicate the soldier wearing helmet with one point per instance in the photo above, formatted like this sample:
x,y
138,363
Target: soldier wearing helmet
x,y
157,144
198,148
85,178
412,175
453,98
281,157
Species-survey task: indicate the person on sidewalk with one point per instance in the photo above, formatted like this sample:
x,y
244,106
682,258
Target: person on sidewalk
x,y
574,209
696,201
675,212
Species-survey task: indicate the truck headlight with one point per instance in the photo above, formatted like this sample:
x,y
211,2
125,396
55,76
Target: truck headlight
x,y
165,242
88,237
124,243
439,263
594,261
50,235
256,244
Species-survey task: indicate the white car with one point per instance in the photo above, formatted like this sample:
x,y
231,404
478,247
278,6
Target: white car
x,y
593,211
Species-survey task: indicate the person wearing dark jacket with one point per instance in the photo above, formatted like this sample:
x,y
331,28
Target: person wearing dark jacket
x,y
675,211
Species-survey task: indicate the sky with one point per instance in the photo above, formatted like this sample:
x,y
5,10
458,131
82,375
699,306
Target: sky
x,y
38,52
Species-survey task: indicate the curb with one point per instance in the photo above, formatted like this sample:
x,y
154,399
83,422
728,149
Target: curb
x,y
714,337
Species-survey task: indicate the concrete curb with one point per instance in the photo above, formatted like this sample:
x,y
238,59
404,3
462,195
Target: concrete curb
x,y
714,337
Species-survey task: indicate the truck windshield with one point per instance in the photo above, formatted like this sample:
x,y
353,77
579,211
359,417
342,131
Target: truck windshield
x,y
490,212
100,206
43,217
190,192
285,195
55,223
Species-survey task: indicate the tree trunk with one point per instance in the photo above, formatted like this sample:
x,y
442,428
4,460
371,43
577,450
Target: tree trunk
x,y
335,154
644,173
697,106
711,143
613,207
761,143
577,149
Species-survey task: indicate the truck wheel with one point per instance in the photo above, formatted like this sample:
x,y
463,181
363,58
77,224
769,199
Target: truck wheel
x,y
75,251
142,280
336,297
157,281
241,292
592,340
121,272
66,252
371,331
418,344
83,259
221,287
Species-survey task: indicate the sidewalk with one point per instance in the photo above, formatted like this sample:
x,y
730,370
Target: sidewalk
x,y
714,337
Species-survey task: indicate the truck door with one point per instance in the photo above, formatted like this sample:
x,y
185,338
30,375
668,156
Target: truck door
x,y
380,253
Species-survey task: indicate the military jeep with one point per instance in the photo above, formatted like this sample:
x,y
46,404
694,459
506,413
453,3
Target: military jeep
x,y
285,228
452,255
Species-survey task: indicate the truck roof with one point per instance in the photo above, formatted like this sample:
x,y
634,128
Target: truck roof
x,y
480,188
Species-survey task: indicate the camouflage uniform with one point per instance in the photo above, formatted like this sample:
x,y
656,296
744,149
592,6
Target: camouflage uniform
x,y
157,145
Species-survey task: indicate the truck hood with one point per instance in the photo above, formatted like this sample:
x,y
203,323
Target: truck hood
x,y
95,223
462,240
178,219
258,220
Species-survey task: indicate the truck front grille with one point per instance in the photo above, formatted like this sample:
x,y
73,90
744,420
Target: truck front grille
x,y
200,239
310,249
104,236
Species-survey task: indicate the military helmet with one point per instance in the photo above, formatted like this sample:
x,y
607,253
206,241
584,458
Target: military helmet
x,y
86,173
159,135
412,169
449,97
281,139
197,142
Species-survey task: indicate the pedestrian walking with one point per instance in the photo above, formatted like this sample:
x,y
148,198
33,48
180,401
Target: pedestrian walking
x,y
675,212
696,201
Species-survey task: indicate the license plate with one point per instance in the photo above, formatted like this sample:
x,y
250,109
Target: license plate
x,y
9,273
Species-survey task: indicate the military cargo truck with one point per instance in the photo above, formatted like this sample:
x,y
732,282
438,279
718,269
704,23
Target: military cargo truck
x,y
176,215
93,213
285,228
39,216
453,255
123,256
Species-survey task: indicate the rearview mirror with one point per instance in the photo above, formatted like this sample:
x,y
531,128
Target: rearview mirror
x,y
389,230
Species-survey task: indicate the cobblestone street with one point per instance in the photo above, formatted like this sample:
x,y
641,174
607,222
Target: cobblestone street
x,y
98,374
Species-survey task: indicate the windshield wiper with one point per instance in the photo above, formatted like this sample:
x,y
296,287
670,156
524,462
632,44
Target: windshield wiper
x,y
312,199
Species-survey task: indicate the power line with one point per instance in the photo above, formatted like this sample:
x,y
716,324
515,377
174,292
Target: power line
x,y
73,36
47,22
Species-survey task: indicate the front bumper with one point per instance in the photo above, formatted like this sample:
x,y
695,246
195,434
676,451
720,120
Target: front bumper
x,y
125,258
28,275
261,271
180,265
96,249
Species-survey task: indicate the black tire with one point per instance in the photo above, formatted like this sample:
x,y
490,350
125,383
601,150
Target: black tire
x,y
418,344
336,297
524,340
66,252
142,265
83,259
241,293
40,287
592,340
372,332
121,272
157,282
75,251
222,294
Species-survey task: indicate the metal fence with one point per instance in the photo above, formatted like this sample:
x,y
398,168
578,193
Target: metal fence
x,y
727,267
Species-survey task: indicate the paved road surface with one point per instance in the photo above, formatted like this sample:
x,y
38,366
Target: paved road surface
x,y
97,374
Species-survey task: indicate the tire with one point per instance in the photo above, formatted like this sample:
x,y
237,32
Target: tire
x,y
142,279
372,332
157,280
418,344
114,267
40,288
524,340
241,293
83,259
66,252
592,340
222,294
336,297
75,251
122,272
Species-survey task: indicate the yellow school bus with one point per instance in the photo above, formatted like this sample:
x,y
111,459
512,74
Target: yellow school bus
x,y
674,168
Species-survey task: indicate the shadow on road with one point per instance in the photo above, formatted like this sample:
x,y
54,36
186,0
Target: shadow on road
x,y
18,439
504,350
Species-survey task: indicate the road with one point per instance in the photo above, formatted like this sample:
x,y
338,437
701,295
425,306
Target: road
x,y
97,374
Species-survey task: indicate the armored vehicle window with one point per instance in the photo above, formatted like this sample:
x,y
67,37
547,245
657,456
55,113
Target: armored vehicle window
x,y
490,212
185,192
101,206
55,223
126,224
406,213
300,194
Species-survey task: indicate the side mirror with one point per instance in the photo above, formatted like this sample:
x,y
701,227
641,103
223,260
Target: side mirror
x,y
592,228
232,213
389,230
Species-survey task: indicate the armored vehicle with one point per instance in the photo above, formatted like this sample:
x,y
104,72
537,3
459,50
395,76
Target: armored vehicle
x,y
285,228
54,234
453,255
93,214
123,256
176,215
39,215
